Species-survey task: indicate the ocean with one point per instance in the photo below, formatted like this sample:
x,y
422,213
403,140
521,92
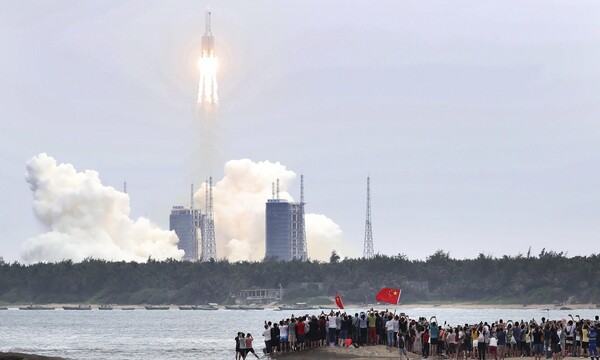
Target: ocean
x,y
174,334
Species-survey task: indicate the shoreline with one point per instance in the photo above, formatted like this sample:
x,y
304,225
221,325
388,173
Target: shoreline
x,y
441,305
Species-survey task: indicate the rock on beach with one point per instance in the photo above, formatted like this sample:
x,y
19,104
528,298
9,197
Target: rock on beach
x,y
20,356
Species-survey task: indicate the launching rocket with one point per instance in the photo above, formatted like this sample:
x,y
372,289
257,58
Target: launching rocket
x,y
208,41
207,88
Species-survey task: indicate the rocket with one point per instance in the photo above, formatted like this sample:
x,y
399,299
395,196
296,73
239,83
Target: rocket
x,y
207,87
208,41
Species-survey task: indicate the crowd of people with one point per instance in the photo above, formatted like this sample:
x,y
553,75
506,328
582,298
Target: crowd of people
x,y
550,339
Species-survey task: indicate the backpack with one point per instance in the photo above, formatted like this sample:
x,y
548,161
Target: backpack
x,y
467,337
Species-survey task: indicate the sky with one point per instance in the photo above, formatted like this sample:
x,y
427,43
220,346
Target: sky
x,y
477,122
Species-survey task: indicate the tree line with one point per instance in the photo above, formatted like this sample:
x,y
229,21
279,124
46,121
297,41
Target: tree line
x,y
550,277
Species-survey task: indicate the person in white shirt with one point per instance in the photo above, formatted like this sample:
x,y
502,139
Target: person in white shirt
x,y
267,335
331,323
389,327
283,335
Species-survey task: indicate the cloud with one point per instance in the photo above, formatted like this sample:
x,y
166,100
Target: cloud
x,y
85,218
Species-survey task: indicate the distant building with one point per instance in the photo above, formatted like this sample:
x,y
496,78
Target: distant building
x,y
256,296
186,223
285,230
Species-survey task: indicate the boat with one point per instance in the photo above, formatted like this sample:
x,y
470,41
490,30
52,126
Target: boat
x,y
36,307
244,307
296,306
156,307
128,308
105,307
78,307
3,308
200,307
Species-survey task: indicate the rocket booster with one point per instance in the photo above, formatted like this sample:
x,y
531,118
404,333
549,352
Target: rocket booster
x,y
208,41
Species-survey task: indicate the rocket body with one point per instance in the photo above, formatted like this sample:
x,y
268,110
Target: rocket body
x,y
207,89
208,41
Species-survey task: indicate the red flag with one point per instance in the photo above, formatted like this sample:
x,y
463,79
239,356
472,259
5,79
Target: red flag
x,y
338,301
388,295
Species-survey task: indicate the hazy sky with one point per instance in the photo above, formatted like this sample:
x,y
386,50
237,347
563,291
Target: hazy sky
x,y
478,122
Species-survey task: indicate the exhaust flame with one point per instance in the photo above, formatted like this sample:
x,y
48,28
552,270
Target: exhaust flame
x,y
207,88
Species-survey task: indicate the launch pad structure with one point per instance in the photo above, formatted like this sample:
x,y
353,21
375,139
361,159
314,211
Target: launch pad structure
x,y
195,229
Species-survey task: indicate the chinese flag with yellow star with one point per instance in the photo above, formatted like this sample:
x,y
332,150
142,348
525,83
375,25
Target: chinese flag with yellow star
x,y
338,301
388,295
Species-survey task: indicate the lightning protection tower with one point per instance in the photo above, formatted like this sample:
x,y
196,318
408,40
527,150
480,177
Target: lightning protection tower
x,y
368,246
209,244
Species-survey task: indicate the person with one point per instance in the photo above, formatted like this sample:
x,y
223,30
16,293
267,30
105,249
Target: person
x,y
584,340
242,342
356,330
371,323
516,335
363,329
344,327
237,346
592,350
300,331
332,327
267,335
555,343
569,342
493,347
418,344
275,338
501,336
426,343
538,344
283,335
389,325
402,347
451,340
480,345
433,334
249,348
292,334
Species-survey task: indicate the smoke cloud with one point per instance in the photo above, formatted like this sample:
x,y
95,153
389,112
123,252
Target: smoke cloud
x,y
88,219
239,208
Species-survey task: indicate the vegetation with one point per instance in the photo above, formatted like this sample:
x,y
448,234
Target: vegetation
x,y
549,277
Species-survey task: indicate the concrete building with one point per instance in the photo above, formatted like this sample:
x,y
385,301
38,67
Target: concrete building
x,y
186,223
285,230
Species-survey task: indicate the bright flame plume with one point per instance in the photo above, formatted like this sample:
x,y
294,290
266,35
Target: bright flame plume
x,y
207,88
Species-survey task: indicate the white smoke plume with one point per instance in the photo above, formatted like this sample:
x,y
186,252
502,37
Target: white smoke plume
x,y
88,219
239,209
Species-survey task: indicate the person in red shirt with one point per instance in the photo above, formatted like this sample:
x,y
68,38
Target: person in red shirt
x,y
301,333
425,339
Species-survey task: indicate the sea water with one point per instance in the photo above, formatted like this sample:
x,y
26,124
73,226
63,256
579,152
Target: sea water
x,y
197,334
